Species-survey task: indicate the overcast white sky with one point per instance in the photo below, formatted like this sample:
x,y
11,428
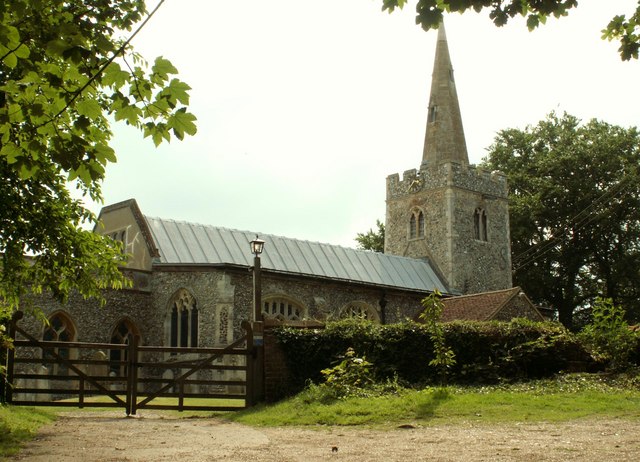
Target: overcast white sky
x,y
305,106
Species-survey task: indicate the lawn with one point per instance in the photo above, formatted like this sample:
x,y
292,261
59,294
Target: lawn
x,y
565,398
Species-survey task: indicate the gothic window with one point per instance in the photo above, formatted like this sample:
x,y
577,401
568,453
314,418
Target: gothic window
x,y
183,322
480,225
121,334
120,236
359,310
283,309
420,224
416,224
60,329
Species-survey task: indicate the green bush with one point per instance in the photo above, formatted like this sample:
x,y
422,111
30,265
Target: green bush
x,y
608,337
485,352
350,376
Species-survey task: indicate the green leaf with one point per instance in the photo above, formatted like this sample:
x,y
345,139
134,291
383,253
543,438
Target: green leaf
x,y
11,60
179,91
182,122
89,108
105,153
533,21
114,76
158,132
9,35
163,67
26,172
57,47
11,152
129,113
22,51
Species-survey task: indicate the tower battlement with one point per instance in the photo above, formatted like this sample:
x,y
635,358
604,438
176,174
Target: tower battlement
x,y
448,174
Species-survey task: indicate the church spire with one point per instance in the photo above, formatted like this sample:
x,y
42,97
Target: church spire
x,y
444,138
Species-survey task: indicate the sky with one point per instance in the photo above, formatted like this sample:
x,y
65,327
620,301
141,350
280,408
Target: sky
x,y
304,107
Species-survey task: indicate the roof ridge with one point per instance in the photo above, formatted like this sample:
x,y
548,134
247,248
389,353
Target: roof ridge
x,y
485,293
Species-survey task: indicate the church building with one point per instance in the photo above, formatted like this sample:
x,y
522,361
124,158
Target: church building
x,y
447,229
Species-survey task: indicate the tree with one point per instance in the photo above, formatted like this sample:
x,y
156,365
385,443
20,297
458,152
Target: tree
x,y
65,74
372,240
620,27
574,211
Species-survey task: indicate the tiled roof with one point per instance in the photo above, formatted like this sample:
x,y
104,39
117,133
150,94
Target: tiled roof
x,y
181,243
477,307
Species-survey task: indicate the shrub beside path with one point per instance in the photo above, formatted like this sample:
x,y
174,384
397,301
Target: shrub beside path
x,y
110,437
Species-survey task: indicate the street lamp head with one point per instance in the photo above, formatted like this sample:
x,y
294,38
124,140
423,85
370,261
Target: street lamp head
x,y
257,246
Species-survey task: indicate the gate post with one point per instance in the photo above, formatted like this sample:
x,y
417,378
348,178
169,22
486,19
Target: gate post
x,y
255,363
11,353
132,374
249,360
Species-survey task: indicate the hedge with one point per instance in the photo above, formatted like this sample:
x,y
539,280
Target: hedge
x,y
486,352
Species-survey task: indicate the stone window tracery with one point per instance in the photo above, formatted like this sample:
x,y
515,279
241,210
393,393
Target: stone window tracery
x,y
283,308
121,335
480,225
60,329
416,224
361,310
120,236
183,324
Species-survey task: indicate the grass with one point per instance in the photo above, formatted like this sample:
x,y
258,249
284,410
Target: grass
x,y
563,399
20,424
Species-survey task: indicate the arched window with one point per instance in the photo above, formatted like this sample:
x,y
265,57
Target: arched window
x,y
361,310
420,224
283,308
121,334
416,224
119,236
183,322
480,225
59,329
413,227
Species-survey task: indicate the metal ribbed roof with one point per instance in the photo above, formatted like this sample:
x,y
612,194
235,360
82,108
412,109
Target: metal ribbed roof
x,y
192,244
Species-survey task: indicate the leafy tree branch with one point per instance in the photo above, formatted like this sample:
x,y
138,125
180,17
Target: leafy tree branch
x,y
625,29
372,240
60,85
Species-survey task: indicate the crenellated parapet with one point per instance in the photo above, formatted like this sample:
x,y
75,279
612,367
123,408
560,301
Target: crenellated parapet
x,y
448,174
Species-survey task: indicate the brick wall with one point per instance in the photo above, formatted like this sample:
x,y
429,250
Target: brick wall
x,y
277,378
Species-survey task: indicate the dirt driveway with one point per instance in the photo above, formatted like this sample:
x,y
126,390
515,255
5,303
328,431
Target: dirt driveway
x,y
108,436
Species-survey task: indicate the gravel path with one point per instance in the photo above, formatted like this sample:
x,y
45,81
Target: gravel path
x,y
108,436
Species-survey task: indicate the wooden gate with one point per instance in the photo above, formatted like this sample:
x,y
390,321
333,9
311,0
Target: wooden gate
x,y
131,376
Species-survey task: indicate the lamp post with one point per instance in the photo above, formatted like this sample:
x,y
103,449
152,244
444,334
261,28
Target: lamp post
x,y
257,246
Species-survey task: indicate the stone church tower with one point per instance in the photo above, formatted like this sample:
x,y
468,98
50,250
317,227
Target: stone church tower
x,y
448,211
